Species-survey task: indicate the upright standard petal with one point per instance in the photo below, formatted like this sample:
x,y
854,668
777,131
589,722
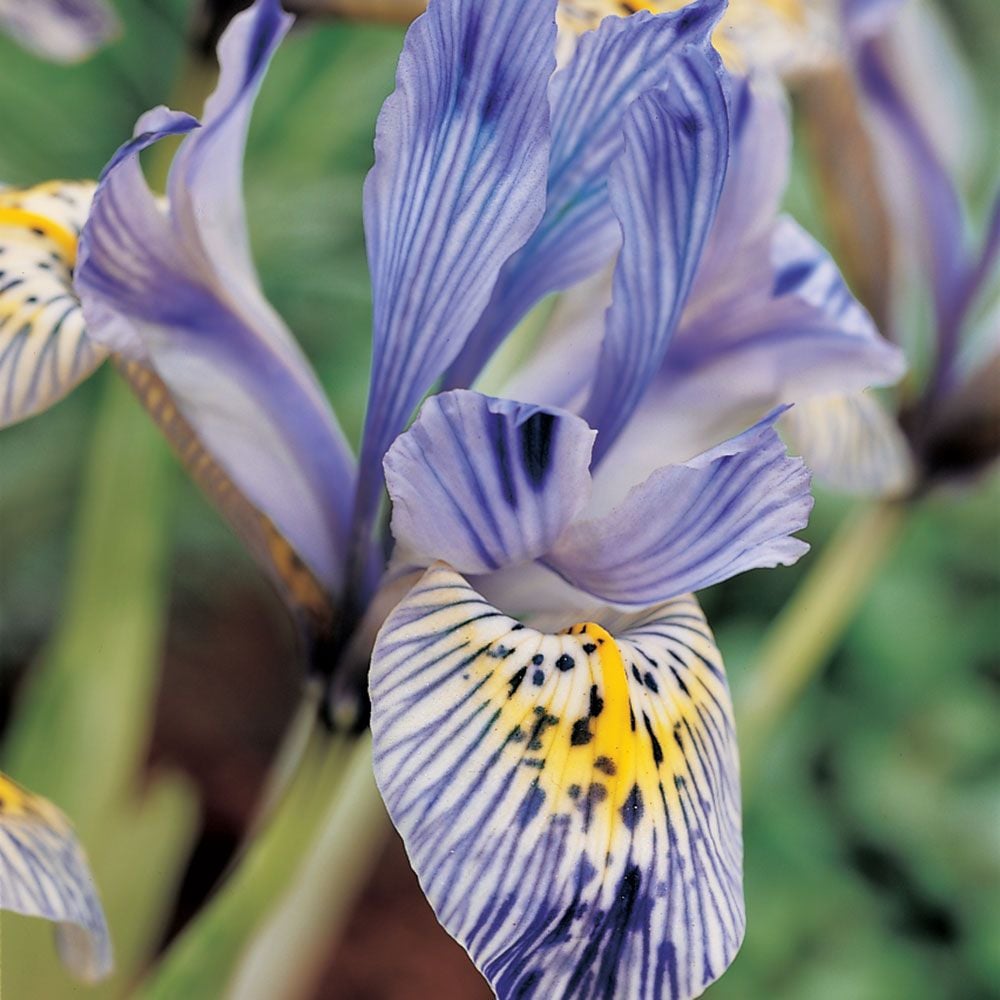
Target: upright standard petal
x,y
43,873
461,153
44,348
760,148
175,289
768,321
764,281
61,30
485,483
688,526
665,189
580,233
570,803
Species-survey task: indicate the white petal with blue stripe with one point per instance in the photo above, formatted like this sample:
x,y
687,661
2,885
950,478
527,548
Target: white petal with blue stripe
x,y
570,803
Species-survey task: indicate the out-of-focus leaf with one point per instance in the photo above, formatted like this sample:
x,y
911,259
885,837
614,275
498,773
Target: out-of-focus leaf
x,y
65,121
83,717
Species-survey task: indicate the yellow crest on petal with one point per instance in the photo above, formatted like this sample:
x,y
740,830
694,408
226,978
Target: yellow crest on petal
x,y
570,802
44,348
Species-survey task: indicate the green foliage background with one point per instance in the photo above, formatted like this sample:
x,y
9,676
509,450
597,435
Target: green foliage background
x,y
873,844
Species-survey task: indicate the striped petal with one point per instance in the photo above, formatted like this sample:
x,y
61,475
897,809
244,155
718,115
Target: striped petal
x,y
458,185
44,349
665,190
580,233
780,314
688,526
174,288
61,30
485,483
43,873
766,289
851,444
570,803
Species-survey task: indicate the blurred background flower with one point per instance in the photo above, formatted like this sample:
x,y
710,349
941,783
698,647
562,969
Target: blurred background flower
x,y
62,30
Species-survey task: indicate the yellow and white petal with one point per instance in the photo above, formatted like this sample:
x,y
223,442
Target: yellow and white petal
x,y
570,803
43,873
44,348
851,444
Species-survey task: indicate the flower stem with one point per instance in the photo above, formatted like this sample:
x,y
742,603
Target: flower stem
x,y
810,626
286,954
201,961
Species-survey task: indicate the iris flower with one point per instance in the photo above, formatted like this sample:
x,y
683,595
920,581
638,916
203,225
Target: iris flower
x,y
553,735
948,429
61,30
43,873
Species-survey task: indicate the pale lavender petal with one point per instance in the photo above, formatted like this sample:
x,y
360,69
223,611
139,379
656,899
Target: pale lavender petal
x,y
664,190
484,483
760,156
159,284
579,234
783,301
782,328
688,526
61,30
461,154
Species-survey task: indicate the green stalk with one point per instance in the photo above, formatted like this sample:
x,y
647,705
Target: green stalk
x,y
811,625
202,960
287,954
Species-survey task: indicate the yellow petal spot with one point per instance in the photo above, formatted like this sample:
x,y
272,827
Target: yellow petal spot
x,y
18,218
17,802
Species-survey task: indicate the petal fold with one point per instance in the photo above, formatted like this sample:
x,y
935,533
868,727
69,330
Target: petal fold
x,y
44,348
461,153
485,483
43,873
174,288
579,234
570,803
665,189
688,526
